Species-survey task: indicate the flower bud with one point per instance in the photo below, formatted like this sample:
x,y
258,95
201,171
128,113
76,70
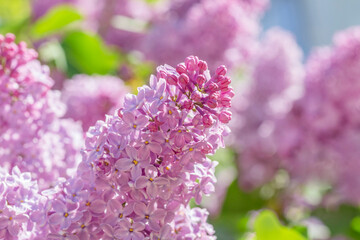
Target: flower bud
x,y
196,120
207,121
221,70
171,79
224,82
183,79
196,96
212,87
225,116
202,65
200,80
9,38
181,68
187,105
211,102
228,91
191,63
225,101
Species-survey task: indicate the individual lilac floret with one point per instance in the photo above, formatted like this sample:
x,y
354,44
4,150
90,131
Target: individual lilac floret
x,y
139,170
19,199
275,83
89,98
222,31
32,134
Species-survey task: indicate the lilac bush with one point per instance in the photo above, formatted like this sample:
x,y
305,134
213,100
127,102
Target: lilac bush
x,y
34,137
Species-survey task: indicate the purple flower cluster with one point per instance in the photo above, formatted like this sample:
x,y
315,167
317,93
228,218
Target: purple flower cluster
x,y
275,83
90,98
306,122
220,31
324,137
143,164
33,137
19,202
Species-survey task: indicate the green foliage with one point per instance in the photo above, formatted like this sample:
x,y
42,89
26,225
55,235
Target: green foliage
x,y
55,20
13,15
268,227
344,220
238,201
87,53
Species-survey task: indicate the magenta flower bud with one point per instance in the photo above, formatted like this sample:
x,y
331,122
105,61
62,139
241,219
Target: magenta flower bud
x,y
202,65
224,82
225,116
9,38
225,101
197,120
171,79
162,74
212,103
183,79
196,96
228,91
188,105
191,63
207,121
200,79
181,68
221,70
212,87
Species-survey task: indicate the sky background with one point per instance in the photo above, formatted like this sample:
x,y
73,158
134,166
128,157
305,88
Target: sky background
x,y
313,22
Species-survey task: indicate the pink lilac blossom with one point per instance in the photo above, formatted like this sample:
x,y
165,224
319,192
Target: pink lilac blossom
x,y
220,31
32,135
19,199
140,169
89,98
323,141
275,83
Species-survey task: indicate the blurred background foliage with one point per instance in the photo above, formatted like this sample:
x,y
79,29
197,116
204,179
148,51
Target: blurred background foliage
x,y
66,46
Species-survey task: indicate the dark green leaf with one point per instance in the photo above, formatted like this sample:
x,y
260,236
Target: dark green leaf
x,y
239,202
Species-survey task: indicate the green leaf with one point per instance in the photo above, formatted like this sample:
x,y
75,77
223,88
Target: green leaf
x,y
55,20
87,53
230,226
341,220
238,201
268,227
14,15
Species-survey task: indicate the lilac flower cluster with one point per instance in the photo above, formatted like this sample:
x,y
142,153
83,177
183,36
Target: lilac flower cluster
x,y
303,121
323,141
220,31
144,163
33,137
90,98
19,200
275,83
